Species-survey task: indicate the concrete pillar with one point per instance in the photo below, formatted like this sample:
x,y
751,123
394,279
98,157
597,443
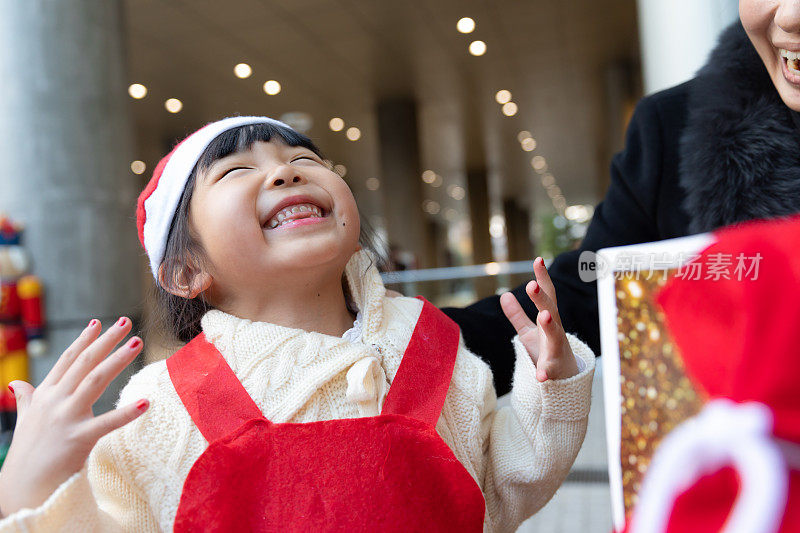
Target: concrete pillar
x,y
677,35
478,187
65,151
519,238
518,223
402,182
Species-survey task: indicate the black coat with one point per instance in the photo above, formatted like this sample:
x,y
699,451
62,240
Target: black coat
x,y
719,149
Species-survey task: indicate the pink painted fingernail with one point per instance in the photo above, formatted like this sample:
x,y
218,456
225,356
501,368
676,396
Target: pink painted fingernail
x,y
122,321
92,323
142,405
134,343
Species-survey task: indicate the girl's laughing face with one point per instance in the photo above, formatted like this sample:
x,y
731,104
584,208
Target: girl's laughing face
x,y
774,28
272,215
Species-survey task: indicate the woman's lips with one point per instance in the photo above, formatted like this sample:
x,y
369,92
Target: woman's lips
x,y
790,76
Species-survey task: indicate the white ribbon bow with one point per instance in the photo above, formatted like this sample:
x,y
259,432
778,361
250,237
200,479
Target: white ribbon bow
x,y
723,433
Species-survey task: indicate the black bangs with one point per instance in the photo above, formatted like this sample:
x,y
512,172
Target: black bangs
x,y
242,138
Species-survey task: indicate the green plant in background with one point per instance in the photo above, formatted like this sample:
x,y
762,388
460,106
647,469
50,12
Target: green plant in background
x,y
558,234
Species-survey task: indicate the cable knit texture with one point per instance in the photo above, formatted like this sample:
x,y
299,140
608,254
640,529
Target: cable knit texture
x,y
519,455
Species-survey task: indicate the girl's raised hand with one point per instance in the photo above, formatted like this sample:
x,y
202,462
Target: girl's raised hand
x,y
545,341
56,428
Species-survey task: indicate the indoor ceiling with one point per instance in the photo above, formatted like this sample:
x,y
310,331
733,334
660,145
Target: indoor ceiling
x,y
564,63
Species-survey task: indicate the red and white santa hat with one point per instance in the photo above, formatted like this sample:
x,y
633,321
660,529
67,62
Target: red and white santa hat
x,y
159,200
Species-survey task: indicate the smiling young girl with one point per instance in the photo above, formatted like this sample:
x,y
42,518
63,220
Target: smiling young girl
x,y
305,399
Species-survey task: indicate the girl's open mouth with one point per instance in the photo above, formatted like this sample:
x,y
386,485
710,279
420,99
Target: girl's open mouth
x,y
296,215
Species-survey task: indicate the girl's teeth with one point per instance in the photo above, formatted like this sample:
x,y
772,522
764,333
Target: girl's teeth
x,y
278,219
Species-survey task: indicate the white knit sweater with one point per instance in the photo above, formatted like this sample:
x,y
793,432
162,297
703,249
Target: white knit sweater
x,y
519,455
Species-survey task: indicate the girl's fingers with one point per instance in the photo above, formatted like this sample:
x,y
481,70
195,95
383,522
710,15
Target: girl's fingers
x,y
515,314
96,382
527,330
543,277
108,422
23,392
96,352
551,344
556,360
551,329
87,336
541,300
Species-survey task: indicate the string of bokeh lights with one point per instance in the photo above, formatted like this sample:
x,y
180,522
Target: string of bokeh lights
x,y
503,97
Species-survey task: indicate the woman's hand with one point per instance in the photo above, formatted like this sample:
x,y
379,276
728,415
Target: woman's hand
x,y
56,428
545,341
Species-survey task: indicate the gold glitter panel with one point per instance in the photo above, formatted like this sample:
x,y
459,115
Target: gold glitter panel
x,y
656,394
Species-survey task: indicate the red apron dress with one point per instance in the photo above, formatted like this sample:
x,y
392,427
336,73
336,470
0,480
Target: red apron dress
x,y
390,472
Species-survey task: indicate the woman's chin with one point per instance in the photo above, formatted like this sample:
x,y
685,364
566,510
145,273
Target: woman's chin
x,y
790,94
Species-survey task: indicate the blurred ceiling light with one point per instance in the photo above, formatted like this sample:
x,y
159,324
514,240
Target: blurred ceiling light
x,y
548,180
173,105
450,213
510,109
553,192
353,134
579,213
503,96
137,90
298,120
456,192
539,163
242,70
373,184
431,206
272,87
429,176
336,124
528,144
497,226
524,134
492,268
437,181
497,231
477,48
465,25
340,169
138,167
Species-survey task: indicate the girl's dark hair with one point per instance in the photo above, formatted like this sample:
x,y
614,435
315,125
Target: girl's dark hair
x,y
179,317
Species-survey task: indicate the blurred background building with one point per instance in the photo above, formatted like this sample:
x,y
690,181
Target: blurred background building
x,y
471,133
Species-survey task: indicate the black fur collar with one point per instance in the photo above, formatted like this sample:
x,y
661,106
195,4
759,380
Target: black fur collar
x,y
740,151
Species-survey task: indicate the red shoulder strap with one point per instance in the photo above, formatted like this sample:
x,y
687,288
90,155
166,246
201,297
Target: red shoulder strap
x,y
421,383
210,391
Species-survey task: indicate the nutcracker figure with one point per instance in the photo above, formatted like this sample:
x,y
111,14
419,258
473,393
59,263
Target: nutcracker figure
x,y
21,320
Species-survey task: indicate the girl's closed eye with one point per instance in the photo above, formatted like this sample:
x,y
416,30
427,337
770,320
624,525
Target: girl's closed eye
x,y
233,169
307,158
